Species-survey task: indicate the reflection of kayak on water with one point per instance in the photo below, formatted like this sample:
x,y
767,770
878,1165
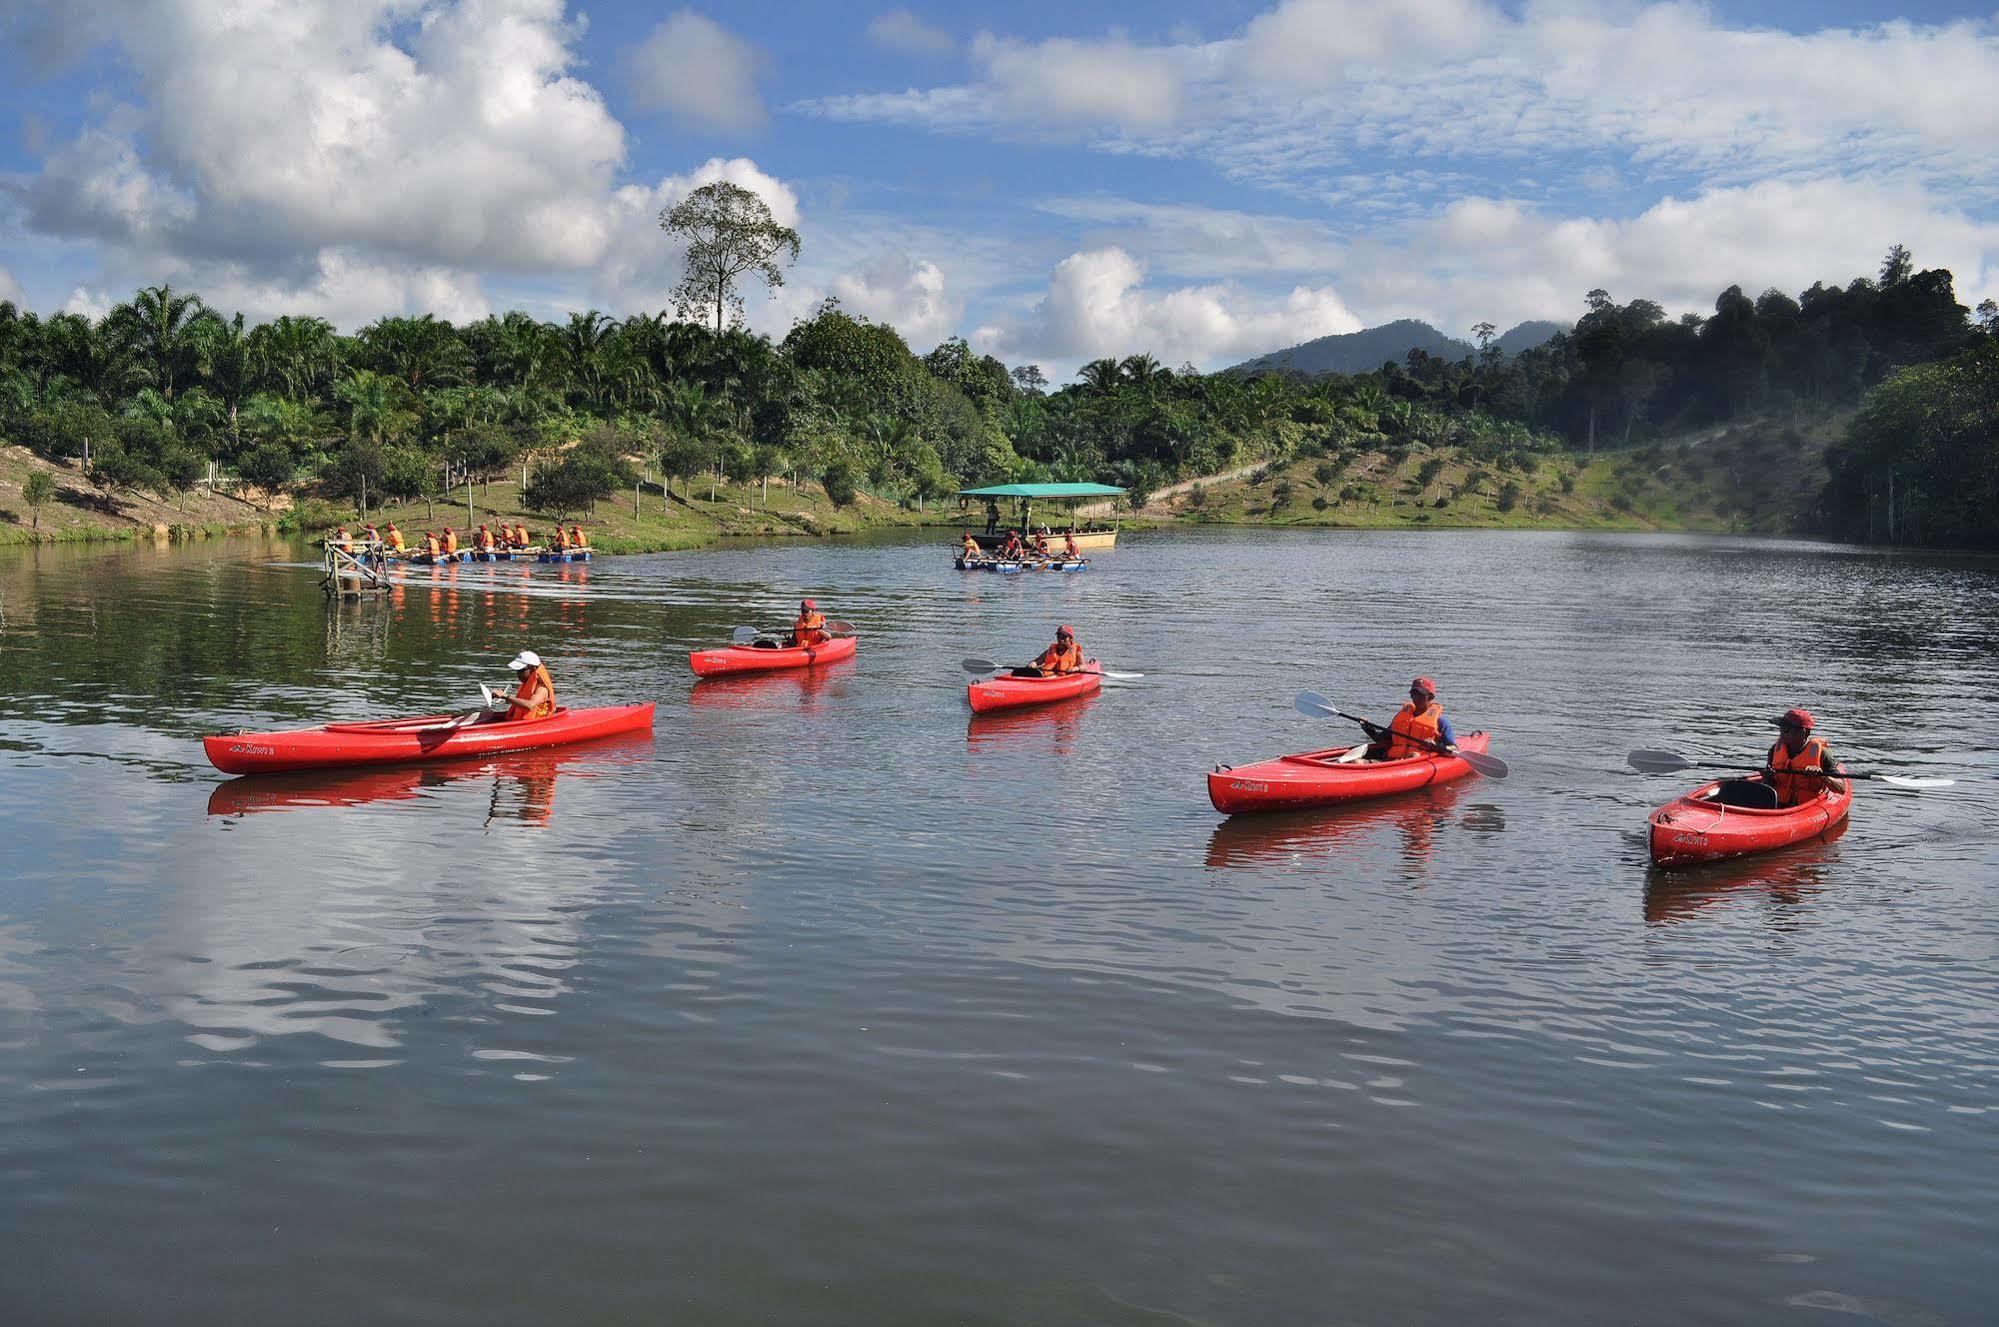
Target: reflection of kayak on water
x,y
1286,836
1014,566
995,731
530,773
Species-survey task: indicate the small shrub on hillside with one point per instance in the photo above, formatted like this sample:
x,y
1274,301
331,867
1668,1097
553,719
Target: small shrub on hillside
x,y
1319,503
1528,462
1199,496
838,481
1623,502
1310,450
1325,472
1568,481
1441,502
1509,496
1429,470
1261,477
1281,494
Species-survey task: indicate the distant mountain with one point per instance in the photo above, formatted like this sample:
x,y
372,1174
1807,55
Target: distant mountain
x,y
1367,350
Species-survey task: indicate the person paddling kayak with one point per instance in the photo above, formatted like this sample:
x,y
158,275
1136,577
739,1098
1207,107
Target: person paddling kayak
x,y
1064,656
535,696
1800,766
1419,723
810,628
1013,550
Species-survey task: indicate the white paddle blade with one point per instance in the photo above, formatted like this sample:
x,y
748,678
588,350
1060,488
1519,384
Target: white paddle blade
x,y
1915,781
1121,677
744,635
843,629
1316,705
487,692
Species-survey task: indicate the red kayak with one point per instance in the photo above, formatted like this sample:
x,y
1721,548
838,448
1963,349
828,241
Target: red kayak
x,y
1313,779
1703,827
757,659
1007,692
434,737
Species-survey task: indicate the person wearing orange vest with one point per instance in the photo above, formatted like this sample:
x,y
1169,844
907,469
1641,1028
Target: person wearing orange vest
x,y
576,539
1416,730
535,697
1041,545
1800,766
342,541
1069,546
450,542
485,542
1013,548
394,538
810,628
561,540
1064,656
431,546
520,535
370,535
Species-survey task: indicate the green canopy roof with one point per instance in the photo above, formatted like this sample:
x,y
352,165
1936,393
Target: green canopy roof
x,y
1043,491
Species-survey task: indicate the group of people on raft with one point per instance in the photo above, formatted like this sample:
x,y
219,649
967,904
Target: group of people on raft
x,y
445,543
1016,549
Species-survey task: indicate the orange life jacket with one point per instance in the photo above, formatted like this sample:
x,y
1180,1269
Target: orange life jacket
x,y
809,629
520,536
1041,544
431,546
1788,772
342,542
485,539
1060,658
576,539
561,539
1069,545
451,541
536,679
395,539
1410,727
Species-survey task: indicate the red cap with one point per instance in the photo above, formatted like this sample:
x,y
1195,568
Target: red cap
x,y
1425,685
1063,630
1794,718
807,603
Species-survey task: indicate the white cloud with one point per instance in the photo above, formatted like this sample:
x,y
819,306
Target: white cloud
x,y
900,30
906,293
1097,305
1354,102
695,68
10,290
1188,240
1090,82
1484,258
640,264
468,145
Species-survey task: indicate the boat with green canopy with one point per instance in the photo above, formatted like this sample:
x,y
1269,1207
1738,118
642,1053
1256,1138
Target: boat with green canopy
x,y
1092,534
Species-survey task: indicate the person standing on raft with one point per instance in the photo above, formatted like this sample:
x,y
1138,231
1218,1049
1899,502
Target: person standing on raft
x,y
810,628
1800,766
534,698
1416,730
1064,656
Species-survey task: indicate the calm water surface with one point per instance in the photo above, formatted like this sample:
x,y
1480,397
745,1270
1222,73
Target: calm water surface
x,y
827,1004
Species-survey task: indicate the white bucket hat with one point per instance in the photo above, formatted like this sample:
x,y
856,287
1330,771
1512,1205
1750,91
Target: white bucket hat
x,y
525,659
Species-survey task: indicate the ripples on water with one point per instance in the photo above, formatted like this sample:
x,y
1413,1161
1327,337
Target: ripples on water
x,y
830,1003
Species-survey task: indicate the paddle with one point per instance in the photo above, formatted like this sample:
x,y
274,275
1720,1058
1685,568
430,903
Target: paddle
x,y
1316,705
1671,762
986,666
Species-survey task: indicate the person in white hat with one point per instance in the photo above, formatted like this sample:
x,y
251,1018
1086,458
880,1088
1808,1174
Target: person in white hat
x,y
535,698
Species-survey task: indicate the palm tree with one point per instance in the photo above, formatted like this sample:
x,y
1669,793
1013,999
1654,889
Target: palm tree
x,y
1101,376
421,352
583,352
293,356
163,331
1144,371
378,406
224,353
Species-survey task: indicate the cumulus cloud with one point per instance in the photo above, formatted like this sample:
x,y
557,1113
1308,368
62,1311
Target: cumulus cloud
x,y
906,293
1097,305
1182,239
1111,82
641,264
1506,261
10,289
900,30
468,145
693,67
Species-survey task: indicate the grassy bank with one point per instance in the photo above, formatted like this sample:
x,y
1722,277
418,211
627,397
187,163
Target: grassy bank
x,y
82,511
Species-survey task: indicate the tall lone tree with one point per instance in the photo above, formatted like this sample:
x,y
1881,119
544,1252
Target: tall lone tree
x,y
730,234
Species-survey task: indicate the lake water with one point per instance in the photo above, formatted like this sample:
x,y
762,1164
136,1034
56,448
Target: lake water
x,y
826,1004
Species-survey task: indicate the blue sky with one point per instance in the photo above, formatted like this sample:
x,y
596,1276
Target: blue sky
x,y
1054,181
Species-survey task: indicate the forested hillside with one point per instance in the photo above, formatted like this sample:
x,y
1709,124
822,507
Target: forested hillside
x,y
163,386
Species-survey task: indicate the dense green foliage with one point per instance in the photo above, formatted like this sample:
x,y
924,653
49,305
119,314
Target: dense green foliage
x,y
417,407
